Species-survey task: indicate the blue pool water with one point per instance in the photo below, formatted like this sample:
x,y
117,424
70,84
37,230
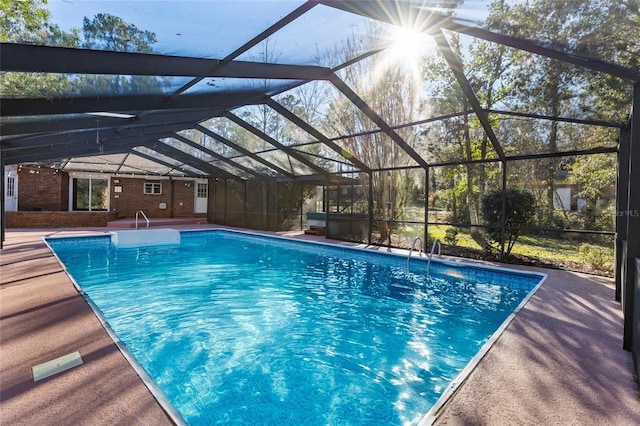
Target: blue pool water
x,y
243,329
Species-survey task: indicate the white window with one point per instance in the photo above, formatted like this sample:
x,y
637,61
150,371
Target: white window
x,y
11,186
89,194
153,188
562,199
202,190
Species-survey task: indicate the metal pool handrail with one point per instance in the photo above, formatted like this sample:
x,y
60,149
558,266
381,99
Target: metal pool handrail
x,y
143,215
433,247
413,245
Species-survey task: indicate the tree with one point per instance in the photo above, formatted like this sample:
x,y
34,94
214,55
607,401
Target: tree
x,y
545,85
603,29
262,116
491,74
391,91
519,212
28,21
452,139
593,174
488,71
610,31
108,32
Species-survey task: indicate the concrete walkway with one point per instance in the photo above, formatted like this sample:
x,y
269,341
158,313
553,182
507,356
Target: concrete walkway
x,y
42,317
560,361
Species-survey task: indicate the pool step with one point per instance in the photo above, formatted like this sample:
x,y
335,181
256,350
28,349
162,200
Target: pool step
x,y
158,222
316,230
145,237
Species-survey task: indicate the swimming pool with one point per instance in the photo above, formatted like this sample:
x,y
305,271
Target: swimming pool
x,y
242,329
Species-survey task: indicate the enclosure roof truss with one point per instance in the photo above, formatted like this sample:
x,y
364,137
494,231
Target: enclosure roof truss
x,y
67,125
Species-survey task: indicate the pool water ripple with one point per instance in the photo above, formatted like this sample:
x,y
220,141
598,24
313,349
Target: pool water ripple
x,y
237,329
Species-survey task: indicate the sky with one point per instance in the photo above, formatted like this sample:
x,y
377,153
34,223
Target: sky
x,y
214,28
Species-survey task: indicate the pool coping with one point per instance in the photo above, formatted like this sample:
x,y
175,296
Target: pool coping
x,y
620,402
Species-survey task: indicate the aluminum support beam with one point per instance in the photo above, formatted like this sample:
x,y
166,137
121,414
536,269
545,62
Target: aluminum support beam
x,y
57,106
214,154
87,145
176,154
317,134
177,167
66,60
379,121
79,150
503,211
632,211
2,203
244,151
409,14
456,66
538,49
558,119
90,135
84,122
428,21
259,133
622,201
301,10
426,207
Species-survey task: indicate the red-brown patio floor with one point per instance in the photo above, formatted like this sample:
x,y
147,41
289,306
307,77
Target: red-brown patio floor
x,y
560,361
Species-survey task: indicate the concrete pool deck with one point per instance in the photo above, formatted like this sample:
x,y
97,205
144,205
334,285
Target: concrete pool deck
x,y
559,362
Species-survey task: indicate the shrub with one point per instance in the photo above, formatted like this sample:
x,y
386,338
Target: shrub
x,y
451,237
606,219
596,256
519,212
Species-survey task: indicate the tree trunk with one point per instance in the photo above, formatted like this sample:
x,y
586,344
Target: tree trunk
x,y
551,171
472,201
554,100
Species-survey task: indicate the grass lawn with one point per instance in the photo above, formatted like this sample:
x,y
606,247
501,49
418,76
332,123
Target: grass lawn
x,y
551,249
562,252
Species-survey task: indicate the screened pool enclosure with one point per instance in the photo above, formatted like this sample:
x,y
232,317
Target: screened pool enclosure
x,y
386,120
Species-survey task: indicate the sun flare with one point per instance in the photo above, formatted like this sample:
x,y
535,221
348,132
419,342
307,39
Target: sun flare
x,y
407,44
406,51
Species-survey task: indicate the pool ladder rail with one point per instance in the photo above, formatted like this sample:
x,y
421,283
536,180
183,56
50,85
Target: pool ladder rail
x,y
433,248
140,212
413,246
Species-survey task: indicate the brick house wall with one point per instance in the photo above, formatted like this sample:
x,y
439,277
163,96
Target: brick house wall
x,y
177,198
41,189
47,190
184,198
57,219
